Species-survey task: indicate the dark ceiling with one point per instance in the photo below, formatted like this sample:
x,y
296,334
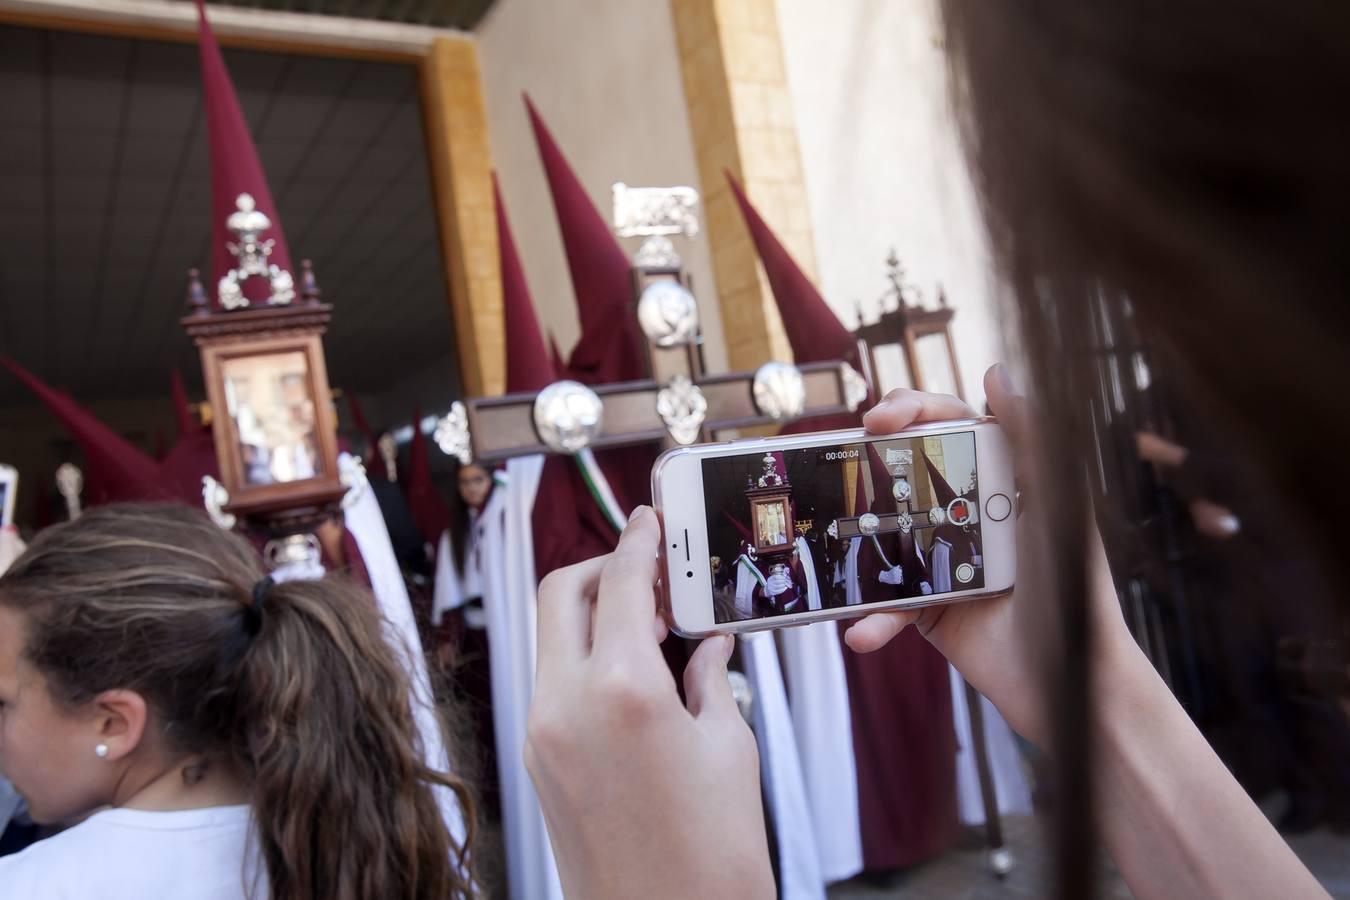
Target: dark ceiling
x,y
105,203
464,14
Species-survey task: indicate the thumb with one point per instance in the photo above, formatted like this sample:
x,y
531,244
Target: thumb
x,y
1009,406
706,688
876,631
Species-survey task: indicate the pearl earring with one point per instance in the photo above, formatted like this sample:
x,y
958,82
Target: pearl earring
x,y
101,751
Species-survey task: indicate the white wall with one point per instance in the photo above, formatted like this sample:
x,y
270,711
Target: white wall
x,y
883,168
605,75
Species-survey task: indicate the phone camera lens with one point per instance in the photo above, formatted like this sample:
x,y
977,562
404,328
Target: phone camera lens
x,y
690,573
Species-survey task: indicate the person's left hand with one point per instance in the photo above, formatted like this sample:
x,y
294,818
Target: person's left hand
x,y
894,575
643,796
11,547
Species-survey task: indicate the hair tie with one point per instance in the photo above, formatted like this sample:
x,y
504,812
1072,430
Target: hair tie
x,y
253,613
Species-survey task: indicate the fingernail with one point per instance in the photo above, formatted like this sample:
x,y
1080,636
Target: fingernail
x,y
637,516
1003,378
728,647
1228,524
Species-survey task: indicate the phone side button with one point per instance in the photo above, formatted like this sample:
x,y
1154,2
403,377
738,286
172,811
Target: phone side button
x,y
998,507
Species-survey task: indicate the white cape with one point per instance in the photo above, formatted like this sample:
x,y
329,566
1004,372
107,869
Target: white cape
x,y
1010,781
366,523
818,690
799,875
509,604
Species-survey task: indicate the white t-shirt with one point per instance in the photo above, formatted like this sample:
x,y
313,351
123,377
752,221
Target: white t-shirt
x,y
132,854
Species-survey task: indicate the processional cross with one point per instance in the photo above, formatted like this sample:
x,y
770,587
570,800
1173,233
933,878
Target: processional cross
x,y
677,403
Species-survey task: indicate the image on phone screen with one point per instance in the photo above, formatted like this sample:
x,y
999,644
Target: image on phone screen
x,y
842,525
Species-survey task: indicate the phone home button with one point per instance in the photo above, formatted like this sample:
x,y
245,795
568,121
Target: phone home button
x,y
998,507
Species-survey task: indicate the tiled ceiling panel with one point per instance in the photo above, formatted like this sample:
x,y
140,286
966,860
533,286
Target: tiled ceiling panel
x,y
105,203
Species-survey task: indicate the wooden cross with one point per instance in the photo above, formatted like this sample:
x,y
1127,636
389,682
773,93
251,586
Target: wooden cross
x,y
506,426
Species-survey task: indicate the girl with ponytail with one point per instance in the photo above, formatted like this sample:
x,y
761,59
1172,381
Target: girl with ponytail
x,y
215,735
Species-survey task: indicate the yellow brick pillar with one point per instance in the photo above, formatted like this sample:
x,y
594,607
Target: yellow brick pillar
x,y
461,165
740,115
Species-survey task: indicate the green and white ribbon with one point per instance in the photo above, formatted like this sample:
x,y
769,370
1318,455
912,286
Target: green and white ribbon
x,y
598,485
876,543
754,570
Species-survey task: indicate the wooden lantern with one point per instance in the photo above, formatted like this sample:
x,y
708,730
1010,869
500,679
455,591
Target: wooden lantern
x,y
771,524
274,427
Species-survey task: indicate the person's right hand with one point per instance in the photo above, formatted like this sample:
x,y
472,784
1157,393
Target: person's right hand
x,y
643,795
993,642
777,583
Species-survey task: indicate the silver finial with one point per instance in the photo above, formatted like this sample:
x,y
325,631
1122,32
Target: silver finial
x,y
668,314
251,253
452,434
683,408
567,416
779,391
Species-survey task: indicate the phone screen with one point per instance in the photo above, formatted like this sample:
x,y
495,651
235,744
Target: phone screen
x,y
842,525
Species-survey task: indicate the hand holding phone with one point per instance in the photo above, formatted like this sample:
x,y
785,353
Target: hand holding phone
x,y
798,529
997,643
9,488
663,793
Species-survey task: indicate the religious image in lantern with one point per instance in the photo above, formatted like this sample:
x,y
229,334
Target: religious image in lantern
x,y
269,400
842,525
9,479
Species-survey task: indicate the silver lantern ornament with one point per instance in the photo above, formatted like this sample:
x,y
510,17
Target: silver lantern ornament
x,y
855,387
682,408
668,314
452,434
900,490
247,223
214,499
567,416
779,391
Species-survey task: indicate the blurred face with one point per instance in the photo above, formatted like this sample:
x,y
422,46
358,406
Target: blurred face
x,y
474,485
46,752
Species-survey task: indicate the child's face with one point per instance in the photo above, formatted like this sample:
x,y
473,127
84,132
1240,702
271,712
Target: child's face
x,y
474,485
46,752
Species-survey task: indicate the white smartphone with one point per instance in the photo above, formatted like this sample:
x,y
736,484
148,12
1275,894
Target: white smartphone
x,y
784,531
9,489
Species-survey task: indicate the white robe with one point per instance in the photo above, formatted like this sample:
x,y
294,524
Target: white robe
x,y
852,587
509,600
799,876
1010,782
366,524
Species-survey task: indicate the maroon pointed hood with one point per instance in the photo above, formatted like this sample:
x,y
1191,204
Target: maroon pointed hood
x,y
740,527
527,360
555,357
235,168
813,330
611,345
942,491
190,458
359,421
882,500
183,420
115,469
428,510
